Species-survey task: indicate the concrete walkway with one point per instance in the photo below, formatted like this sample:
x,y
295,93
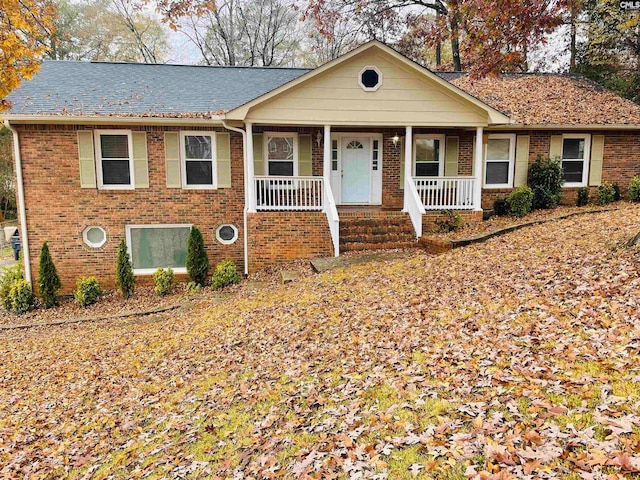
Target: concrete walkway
x,y
7,262
320,265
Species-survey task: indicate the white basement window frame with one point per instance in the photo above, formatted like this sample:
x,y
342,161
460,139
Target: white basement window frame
x,y
130,238
106,183
269,151
417,161
510,160
185,139
568,157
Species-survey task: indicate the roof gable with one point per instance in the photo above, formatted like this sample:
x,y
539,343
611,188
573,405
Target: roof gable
x,y
410,94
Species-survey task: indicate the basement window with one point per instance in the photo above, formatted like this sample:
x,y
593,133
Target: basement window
x,y
157,246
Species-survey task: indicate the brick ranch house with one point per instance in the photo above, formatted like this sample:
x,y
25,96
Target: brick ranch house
x,y
275,164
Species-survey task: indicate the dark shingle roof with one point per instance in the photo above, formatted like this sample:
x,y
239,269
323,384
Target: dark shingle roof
x,y
97,88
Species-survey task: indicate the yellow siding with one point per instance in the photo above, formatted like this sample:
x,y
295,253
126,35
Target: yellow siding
x,y
335,97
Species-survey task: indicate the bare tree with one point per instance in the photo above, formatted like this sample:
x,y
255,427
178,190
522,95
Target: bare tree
x,y
246,33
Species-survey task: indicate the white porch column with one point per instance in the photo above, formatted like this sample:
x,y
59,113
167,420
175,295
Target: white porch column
x,y
326,164
251,181
477,168
408,160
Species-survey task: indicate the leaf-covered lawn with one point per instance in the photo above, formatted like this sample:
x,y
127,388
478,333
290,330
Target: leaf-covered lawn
x,y
517,358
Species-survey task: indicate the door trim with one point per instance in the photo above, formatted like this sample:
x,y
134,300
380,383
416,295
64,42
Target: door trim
x,y
375,188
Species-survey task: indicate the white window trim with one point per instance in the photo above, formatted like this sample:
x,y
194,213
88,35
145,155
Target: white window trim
x,y
512,161
440,154
151,271
586,160
266,137
222,240
86,240
97,134
183,160
377,86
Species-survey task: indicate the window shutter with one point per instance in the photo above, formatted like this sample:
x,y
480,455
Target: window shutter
x,y
555,149
258,156
87,159
223,160
401,163
597,156
522,161
304,156
172,159
140,160
451,157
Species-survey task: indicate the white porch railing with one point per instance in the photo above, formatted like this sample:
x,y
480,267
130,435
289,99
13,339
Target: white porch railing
x,y
331,211
289,193
414,206
438,193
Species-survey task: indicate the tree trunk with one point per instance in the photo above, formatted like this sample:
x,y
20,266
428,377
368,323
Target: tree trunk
x,y
438,55
455,43
573,48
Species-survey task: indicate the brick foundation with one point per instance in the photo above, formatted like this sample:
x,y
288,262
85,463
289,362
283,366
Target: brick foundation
x,y
276,237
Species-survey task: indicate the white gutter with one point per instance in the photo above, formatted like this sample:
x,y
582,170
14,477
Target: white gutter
x,y
246,180
110,120
21,205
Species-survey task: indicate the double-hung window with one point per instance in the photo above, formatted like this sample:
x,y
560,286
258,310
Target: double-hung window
x,y
428,155
575,159
198,160
114,161
500,158
281,154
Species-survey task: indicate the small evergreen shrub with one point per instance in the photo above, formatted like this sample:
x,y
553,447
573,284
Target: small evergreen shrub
x,y
165,281
583,197
192,287
87,291
449,222
634,189
197,259
21,295
501,207
545,180
520,201
48,279
616,192
125,281
8,276
606,194
225,274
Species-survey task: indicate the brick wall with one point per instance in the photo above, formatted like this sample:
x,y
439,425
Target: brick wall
x,y
621,161
276,237
58,210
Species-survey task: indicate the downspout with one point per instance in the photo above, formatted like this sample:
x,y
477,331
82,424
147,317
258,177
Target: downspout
x,y
244,213
21,205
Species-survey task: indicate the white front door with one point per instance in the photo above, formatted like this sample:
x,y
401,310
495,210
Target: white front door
x,y
356,170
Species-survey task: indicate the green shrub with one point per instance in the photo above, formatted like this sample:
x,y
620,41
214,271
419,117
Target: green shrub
x,y
449,222
545,179
197,259
634,189
165,281
616,192
606,194
125,280
87,291
501,207
520,201
48,279
583,196
21,295
225,274
8,276
192,287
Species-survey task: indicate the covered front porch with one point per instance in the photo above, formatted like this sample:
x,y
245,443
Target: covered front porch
x,y
309,168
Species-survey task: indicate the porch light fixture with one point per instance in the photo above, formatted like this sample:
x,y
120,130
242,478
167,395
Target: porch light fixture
x,y
319,138
396,139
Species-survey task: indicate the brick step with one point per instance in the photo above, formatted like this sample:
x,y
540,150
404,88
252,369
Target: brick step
x,y
380,238
352,247
383,230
